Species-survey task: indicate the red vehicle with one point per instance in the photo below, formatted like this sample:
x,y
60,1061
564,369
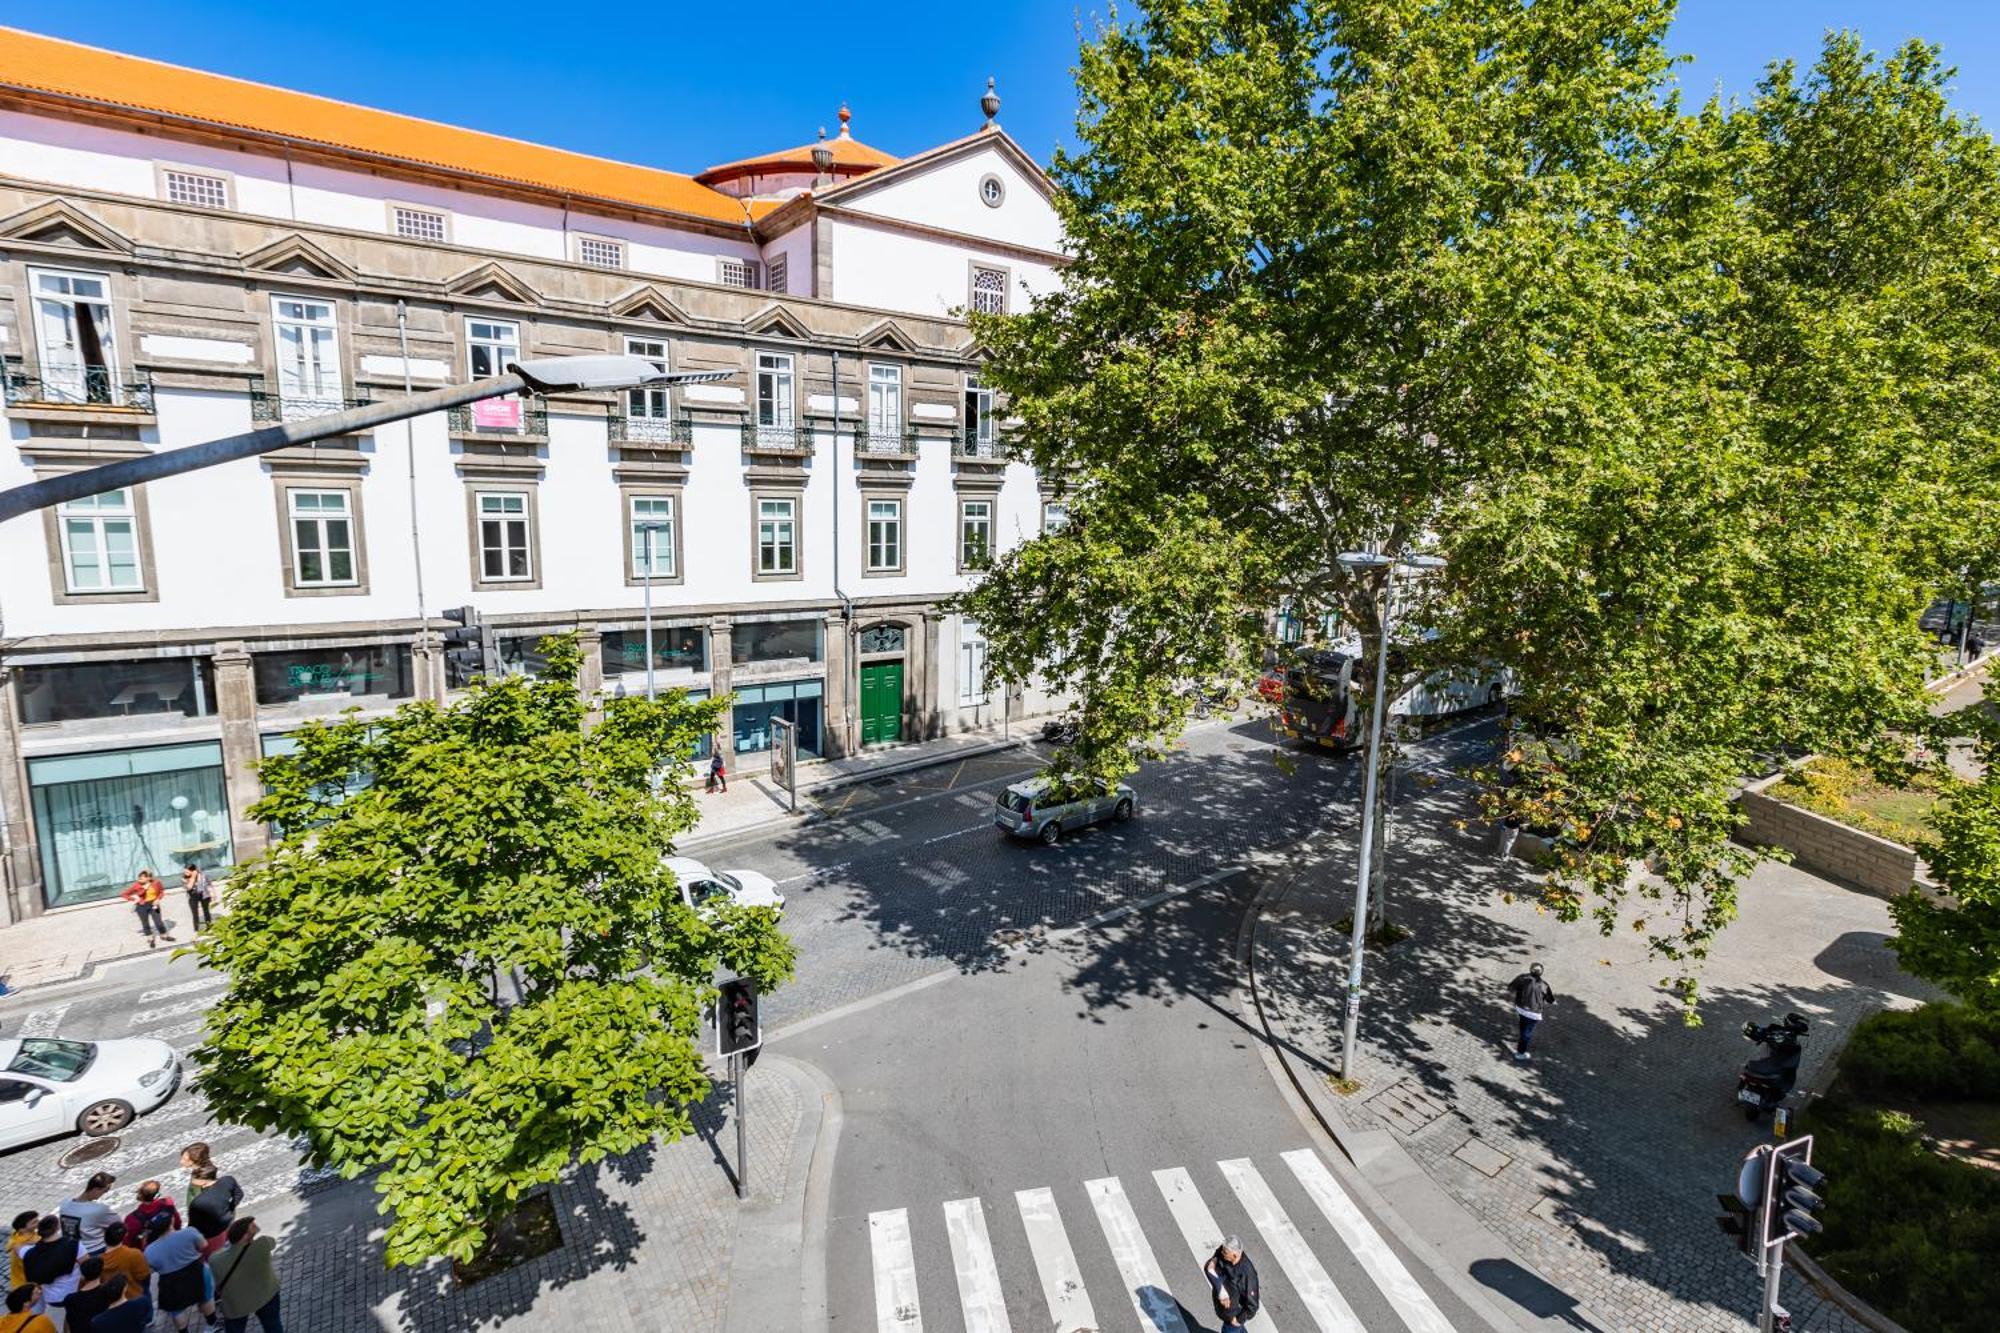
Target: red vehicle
x,y
1316,698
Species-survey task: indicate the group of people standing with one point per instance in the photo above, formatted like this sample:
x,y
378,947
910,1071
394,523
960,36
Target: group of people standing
x,y
86,1269
147,893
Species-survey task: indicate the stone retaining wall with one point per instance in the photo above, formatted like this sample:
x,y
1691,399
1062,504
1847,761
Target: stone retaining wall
x,y
1826,846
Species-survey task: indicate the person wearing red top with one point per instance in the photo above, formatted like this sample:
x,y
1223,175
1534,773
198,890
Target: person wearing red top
x,y
151,1201
145,895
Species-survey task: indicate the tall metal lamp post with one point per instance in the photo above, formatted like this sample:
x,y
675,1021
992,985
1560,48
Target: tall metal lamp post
x,y
1365,562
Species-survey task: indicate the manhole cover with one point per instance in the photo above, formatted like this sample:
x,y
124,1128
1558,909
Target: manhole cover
x,y
88,1151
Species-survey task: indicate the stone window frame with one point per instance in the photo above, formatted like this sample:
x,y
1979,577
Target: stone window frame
x,y
902,565
392,206
991,500
161,166
476,486
631,491
796,494
142,541
283,483
972,271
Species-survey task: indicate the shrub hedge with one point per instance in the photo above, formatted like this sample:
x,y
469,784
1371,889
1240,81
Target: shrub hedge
x,y
1941,1051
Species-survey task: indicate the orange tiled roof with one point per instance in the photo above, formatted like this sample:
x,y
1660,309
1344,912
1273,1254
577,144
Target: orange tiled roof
x,y
49,65
847,152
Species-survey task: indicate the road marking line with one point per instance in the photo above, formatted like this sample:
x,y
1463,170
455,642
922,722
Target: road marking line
x,y
979,1298
1152,1301
186,1029
195,1005
1321,1298
185,988
1198,1225
1055,1262
42,1022
896,1309
959,833
1410,1300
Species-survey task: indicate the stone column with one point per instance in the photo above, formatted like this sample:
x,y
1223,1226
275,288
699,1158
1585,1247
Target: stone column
x,y
719,648
427,667
929,716
837,719
236,706
20,865
590,673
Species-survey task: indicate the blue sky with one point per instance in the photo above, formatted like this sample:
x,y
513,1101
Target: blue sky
x,y
684,87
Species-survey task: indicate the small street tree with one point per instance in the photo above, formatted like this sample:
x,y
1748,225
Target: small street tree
x,y
1685,400
463,965
1956,944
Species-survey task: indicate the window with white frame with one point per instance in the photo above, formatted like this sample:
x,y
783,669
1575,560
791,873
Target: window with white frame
x,y
885,536
779,271
322,538
978,415
652,536
975,532
989,291
885,402
418,224
308,356
971,663
1055,515
599,252
191,187
100,543
736,272
777,536
774,390
490,344
504,550
73,333
649,404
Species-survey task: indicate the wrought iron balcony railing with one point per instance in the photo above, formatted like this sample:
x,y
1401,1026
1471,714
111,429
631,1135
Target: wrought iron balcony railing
x,y
502,418
886,444
280,404
762,439
76,386
659,432
980,446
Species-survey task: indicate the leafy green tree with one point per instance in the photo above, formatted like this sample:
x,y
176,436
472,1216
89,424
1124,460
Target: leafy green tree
x,y
1695,428
474,970
1956,944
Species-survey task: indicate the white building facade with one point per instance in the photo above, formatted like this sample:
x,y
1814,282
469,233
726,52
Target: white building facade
x,y
184,257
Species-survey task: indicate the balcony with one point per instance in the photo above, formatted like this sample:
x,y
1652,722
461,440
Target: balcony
x,y
652,432
501,421
977,446
881,444
78,391
279,405
791,441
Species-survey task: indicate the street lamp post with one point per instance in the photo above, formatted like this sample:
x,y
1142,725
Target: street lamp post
x,y
1361,562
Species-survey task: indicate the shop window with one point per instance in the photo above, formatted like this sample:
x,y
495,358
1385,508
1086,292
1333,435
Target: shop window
x,y
797,701
675,648
101,818
377,672
77,690
775,641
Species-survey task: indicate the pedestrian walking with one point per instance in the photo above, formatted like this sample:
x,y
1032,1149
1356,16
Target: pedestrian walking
x,y
1533,997
718,777
1232,1281
246,1280
144,894
1510,821
123,1257
151,1201
85,1217
22,1315
130,1310
50,1264
184,1277
200,896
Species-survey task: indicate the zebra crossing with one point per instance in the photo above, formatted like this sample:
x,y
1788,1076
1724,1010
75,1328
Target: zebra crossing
x,y
1300,1293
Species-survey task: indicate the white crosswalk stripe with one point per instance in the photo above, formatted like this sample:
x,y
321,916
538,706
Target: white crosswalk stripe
x,y
1055,1262
979,1297
1321,1298
139,1017
896,1309
214,981
42,1022
1197,1225
1417,1309
1151,1300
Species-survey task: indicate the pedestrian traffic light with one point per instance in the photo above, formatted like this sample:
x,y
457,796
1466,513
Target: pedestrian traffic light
x,y
1739,1222
736,1029
469,650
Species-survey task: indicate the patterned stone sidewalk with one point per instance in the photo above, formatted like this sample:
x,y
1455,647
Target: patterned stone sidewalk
x,y
1597,1164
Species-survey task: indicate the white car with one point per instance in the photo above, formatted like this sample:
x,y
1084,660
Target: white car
x,y
740,888
50,1086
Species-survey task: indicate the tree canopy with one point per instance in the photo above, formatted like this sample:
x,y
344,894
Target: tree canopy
x,y
464,962
1956,943
1699,407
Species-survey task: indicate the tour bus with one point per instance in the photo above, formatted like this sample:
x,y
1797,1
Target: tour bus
x,y
1313,687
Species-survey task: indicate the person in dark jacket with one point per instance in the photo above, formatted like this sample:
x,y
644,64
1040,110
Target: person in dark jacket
x,y
1533,998
1232,1281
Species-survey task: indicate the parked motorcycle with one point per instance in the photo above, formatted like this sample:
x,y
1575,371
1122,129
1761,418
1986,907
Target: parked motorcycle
x,y
1061,730
1769,1078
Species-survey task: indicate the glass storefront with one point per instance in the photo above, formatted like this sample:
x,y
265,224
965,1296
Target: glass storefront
x,y
796,701
675,648
77,690
378,672
774,641
102,818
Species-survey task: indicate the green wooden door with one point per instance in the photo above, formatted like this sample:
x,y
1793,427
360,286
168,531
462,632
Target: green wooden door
x,y
881,703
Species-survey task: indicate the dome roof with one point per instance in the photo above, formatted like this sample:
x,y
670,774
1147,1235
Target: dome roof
x,y
851,157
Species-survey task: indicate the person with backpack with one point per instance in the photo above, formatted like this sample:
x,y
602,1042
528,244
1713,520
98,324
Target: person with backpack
x,y
151,1201
246,1281
200,895
1232,1281
1533,997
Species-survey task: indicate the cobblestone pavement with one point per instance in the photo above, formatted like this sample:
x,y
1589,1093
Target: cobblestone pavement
x,y
1599,1162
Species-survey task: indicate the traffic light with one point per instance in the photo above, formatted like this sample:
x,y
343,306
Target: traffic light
x,y
1797,1194
1739,1222
736,1027
469,648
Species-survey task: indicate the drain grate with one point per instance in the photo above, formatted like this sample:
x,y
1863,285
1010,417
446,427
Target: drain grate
x,y
88,1151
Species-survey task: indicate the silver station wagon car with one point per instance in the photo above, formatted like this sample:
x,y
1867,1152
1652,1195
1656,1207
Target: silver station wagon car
x,y
1030,810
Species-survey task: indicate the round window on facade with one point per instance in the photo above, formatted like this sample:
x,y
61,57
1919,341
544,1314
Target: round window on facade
x,y
992,190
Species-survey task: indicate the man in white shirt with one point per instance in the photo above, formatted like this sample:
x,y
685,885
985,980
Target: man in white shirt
x,y
84,1217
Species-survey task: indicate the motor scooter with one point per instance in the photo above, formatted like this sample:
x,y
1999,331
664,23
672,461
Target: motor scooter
x,y
1767,1079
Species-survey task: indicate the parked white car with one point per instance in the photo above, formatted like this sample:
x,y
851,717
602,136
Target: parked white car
x,y
50,1086
701,886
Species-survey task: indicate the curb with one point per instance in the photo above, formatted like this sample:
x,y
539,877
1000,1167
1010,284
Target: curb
x,y
1380,1166
777,1270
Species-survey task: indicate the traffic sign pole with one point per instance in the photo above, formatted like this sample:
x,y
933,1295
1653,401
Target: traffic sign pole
x,y
742,1131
